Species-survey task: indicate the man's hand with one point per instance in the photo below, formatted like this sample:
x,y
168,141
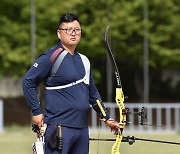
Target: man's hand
x,y
39,120
114,125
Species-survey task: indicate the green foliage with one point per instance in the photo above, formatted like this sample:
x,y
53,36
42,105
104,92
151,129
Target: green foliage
x,y
164,33
126,31
14,37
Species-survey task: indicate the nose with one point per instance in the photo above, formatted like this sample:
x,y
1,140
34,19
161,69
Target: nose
x,y
73,32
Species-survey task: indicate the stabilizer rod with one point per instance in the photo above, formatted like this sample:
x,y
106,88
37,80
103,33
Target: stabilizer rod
x,y
132,139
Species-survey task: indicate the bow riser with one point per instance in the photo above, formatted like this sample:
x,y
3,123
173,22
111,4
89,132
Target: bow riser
x,y
121,106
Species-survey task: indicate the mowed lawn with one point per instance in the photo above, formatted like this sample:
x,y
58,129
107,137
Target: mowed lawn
x,y
18,140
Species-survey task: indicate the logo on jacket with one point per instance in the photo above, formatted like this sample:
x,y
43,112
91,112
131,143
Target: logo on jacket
x,y
35,65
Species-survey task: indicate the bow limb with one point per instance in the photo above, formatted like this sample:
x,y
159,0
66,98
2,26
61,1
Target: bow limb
x,y
116,146
119,99
122,121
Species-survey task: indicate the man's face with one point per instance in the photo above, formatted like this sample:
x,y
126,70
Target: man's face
x,y
69,33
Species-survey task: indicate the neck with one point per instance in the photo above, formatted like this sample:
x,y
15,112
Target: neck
x,y
69,49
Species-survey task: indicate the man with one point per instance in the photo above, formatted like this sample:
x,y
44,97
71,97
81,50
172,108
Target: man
x,y
70,90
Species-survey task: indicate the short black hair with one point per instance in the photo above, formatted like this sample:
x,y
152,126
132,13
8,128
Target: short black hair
x,y
68,17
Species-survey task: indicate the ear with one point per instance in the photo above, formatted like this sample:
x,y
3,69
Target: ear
x,y
58,34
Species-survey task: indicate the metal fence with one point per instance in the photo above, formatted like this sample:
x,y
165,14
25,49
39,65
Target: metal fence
x,y
161,117
164,117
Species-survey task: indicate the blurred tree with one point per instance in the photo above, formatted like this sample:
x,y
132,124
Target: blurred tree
x,y
14,37
126,34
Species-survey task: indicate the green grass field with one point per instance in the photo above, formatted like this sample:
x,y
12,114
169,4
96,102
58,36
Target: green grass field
x,y
18,140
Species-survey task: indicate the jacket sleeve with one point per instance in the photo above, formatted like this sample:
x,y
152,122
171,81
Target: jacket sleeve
x,y
95,100
36,74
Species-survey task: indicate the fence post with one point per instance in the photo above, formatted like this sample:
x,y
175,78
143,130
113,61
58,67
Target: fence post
x,y
1,116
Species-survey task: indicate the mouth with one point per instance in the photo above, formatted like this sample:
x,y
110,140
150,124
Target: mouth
x,y
73,39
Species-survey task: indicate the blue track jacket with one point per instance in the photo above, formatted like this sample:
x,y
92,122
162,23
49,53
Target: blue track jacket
x,y
68,106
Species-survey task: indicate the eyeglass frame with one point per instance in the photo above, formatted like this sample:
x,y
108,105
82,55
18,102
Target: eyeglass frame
x,y
73,30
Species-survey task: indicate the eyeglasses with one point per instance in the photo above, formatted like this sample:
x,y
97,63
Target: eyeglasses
x,y
70,30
